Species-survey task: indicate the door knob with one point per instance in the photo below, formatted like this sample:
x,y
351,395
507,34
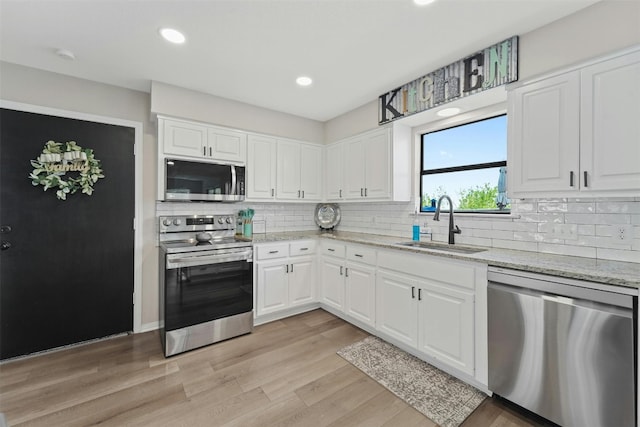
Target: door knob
x,y
5,246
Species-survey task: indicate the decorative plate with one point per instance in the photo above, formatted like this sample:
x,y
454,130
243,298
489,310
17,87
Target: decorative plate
x,y
327,215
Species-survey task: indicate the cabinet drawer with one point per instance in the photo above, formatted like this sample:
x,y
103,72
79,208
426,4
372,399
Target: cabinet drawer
x,y
270,251
333,249
432,268
361,254
303,247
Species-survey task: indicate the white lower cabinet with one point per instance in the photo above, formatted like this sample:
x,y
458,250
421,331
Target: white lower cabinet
x,y
432,307
428,304
273,287
332,292
445,323
285,276
397,314
360,292
348,281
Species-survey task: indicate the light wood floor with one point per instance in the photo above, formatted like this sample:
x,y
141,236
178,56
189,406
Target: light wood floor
x,y
285,373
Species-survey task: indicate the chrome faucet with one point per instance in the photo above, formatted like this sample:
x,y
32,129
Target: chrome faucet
x,y
452,229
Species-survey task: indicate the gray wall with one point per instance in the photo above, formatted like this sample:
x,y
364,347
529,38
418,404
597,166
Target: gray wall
x,y
179,102
599,29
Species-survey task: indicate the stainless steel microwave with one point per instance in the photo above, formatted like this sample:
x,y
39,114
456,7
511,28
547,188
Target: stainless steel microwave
x,y
203,182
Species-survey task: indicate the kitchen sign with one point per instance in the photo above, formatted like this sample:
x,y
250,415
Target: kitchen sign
x,y
491,67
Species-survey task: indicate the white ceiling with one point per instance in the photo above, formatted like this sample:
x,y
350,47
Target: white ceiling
x,y
252,51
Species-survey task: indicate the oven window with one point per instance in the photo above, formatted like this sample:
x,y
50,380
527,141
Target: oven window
x,y
199,294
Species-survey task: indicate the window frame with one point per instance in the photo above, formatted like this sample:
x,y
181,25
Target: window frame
x,y
471,119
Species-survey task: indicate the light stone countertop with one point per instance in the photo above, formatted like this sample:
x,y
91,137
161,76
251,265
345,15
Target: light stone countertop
x,y
617,273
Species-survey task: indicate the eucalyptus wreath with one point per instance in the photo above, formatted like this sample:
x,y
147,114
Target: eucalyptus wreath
x,y
58,158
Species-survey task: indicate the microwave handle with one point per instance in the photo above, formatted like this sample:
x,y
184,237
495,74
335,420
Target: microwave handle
x,y
233,180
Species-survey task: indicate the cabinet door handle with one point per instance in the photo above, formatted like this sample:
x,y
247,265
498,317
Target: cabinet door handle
x,y
273,252
413,292
204,151
361,192
292,268
304,249
303,193
298,194
365,192
287,268
346,272
358,255
571,179
210,152
419,294
341,270
340,196
273,192
331,250
585,179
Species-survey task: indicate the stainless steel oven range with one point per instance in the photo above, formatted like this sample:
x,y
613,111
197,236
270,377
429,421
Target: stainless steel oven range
x,y
206,282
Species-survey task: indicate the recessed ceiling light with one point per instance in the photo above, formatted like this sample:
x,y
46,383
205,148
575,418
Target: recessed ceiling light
x,y
448,112
174,36
66,54
423,2
304,81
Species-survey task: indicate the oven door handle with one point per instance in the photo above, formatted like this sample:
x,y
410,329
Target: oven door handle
x,y
193,261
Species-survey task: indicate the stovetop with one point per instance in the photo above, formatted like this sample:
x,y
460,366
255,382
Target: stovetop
x,y
178,233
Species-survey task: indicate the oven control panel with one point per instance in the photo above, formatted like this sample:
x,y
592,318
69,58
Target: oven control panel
x,y
172,224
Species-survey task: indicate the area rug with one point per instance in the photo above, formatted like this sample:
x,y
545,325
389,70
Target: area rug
x,y
439,396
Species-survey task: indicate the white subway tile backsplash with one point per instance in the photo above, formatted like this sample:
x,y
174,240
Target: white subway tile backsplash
x,y
573,226
552,207
597,219
514,244
581,207
558,218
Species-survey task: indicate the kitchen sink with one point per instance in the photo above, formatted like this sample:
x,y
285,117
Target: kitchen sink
x,y
441,247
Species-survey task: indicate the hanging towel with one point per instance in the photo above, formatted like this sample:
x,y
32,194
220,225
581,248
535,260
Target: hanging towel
x,y
501,199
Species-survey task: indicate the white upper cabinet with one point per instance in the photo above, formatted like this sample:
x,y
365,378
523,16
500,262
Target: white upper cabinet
x,y
372,166
285,170
543,142
299,171
190,139
227,145
261,168
334,171
354,168
610,125
578,132
311,171
288,179
377,161
183,138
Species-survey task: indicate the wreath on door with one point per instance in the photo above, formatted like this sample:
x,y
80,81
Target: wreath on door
x,y
58,158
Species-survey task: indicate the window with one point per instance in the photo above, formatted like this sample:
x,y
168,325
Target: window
x,y
466,162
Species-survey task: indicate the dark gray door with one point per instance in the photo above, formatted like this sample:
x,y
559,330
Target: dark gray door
x,y
66,268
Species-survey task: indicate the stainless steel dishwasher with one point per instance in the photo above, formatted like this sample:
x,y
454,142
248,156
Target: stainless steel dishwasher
x,y
561,350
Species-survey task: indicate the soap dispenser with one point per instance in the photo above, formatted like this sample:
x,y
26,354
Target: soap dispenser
x,y
416,226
